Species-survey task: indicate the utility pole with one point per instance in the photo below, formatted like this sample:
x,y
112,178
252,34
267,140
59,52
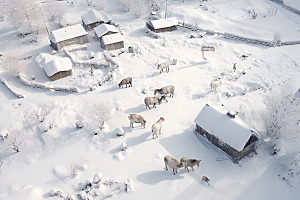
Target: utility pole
x,y
166,9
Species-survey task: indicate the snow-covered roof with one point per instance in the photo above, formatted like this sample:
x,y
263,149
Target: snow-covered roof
x,y
67,33
113,38
233,131
95,16
104,28
57,65
164,23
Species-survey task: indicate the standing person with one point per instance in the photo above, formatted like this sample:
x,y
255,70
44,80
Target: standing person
x,y
92,73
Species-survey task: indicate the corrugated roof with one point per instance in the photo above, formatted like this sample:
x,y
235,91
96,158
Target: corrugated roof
x,y
113,38
233,131
57,65
95,16
104,28
67,33
164,23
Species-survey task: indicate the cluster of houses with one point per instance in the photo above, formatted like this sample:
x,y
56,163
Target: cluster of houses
x,y
223,129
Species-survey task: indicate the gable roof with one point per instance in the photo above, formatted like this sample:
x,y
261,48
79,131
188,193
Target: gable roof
x,y
57,65
67,33
113,38
164,23
233,131
95,16
104,28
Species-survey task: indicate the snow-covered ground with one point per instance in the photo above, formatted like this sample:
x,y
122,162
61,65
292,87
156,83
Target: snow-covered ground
x,y
44,162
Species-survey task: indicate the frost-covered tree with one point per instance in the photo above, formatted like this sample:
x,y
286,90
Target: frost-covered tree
x,y
12,141
281,117
98,113
101,4
154,4
125,5
13,62
195,21
54,9
75,168
138,7
41,111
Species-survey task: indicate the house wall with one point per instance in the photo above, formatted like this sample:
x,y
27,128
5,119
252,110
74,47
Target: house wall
x,y
111,47
60,75
78,40
167,29
236,155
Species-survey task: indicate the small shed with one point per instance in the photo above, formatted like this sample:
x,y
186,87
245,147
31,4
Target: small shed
x,y
58,68
94,18
226,131
68,36
104,29
112,42
163,25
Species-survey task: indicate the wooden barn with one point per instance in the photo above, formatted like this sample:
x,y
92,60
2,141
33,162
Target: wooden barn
x,y
94,18
226,131
58,68
68,36
104,29
112,42
163,25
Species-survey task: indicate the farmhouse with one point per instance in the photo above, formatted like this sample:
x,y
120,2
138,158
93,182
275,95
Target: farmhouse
x,y
68,36
226,131
162,25
112,42
104,29
94,18
58,68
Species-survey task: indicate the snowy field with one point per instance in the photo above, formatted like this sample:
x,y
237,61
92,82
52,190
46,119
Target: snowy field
x,y
45,158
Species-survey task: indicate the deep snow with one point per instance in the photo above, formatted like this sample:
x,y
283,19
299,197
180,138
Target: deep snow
x,y
45,158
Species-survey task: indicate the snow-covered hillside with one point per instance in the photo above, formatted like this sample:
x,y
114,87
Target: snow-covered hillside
x,y
44,122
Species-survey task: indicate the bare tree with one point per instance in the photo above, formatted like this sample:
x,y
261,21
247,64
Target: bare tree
x,y
89,2
55,9
277,37
41,111
13,62
125,5
138,7
12,141
101,4
75,168
195,21
281,117
98,113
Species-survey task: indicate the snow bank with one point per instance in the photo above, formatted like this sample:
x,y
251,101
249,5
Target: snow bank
x,y
11,88
67,33
45,86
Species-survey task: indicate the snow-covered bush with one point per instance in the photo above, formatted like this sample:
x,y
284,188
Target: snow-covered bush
x,y
13,140
97,177
195,21
281,118
41,111
125,5
138,7
79,121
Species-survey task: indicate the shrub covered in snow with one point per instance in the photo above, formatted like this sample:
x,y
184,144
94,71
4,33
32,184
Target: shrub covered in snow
x,y
97,177
79,121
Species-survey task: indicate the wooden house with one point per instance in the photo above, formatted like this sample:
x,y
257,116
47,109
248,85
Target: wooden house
x,y
163,25
58,68
68,36
112,42
226,131
104,29
94,18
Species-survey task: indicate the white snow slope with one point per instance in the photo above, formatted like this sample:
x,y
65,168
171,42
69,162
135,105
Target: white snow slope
x,y
44,160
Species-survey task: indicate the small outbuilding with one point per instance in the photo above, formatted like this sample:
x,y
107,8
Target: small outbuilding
x,y
68,36
227,131
112,42
104,29
58,68
94,18
163,25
